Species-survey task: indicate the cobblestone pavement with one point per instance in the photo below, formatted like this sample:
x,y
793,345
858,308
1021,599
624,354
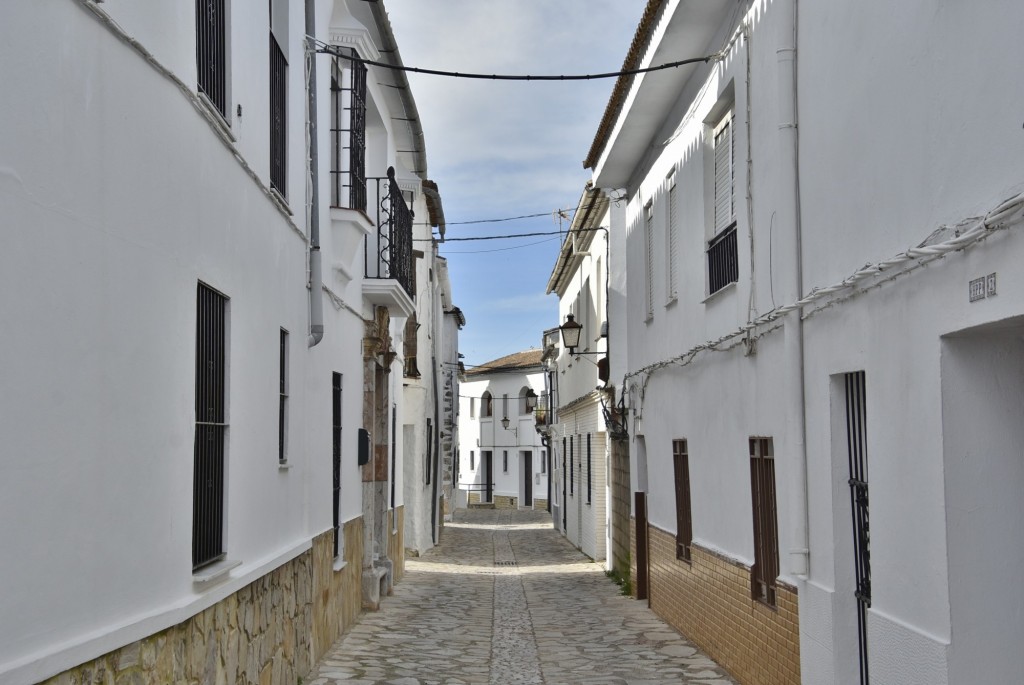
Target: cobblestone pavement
x,y
507,600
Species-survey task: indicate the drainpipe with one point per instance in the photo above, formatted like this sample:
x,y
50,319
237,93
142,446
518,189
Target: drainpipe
x,y
316,295
789,180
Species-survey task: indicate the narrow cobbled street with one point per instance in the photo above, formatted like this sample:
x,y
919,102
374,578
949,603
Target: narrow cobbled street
x,y
504,599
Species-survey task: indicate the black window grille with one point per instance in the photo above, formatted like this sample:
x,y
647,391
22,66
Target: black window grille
x,y
572,468
282,413
336,456
723,262
348,134
589,470
211,426
428,455
472,460
211,54
394,450
766,536
278,117
388,252
504,461
856,436
684,524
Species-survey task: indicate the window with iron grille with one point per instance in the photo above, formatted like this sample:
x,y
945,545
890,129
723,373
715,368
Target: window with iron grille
x,y
572,468
336,457
589,470
429,453
672,239
504,461
723,261
211,52
278,96
282,406
765,571
211,427
348,133
649,258
472,460
684,524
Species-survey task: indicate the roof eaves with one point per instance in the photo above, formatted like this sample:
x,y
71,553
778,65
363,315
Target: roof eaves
x,y
622,85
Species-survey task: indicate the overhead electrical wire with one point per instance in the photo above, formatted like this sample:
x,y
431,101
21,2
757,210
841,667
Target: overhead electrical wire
x,y
508,235
497,249
334,50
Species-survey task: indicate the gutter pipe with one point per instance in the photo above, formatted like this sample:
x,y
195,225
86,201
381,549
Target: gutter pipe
x,y
316,297
799,553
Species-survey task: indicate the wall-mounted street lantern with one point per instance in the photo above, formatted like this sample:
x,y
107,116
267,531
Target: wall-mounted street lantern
x,y
570,333
515,431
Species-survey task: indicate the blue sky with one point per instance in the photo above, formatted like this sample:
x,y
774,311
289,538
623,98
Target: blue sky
x,y
503,149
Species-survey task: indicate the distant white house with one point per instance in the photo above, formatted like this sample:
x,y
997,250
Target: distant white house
x,y
502,460
824,313
201,335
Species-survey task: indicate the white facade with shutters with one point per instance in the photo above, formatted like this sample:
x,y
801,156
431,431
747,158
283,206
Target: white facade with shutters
x,y
124,189
857,176
577,432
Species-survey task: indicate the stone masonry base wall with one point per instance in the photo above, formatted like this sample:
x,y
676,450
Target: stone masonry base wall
x,y
540,504
337,595
271,631
709,602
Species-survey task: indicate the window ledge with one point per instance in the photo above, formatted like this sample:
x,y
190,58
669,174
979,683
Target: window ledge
x,y
281,200
724,289
214,572
218,118
339,564
284,465
672,301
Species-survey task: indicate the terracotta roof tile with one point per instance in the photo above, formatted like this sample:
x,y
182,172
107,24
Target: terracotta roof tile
x,y
623,83
511,362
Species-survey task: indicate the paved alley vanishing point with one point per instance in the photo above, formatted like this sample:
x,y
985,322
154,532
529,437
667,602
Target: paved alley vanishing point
x,y
505,599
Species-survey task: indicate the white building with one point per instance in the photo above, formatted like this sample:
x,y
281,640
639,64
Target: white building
x,y
196,363
502,460
431,388
823,318
577,430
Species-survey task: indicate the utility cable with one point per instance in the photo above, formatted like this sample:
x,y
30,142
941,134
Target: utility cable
x,y
336,51
510,235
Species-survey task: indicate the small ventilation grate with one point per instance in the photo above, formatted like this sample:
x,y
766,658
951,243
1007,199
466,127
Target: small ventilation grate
x,y
504,563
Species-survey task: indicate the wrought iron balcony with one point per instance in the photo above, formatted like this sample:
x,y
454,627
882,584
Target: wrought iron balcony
x,y
388,251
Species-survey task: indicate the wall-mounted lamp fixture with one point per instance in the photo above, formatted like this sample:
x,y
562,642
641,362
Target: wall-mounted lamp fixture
x,y
504,424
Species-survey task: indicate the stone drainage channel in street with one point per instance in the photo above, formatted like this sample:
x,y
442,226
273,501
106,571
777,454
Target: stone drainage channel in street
x,y
504,599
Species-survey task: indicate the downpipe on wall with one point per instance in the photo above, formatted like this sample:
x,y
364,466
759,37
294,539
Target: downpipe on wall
x,y
789,180
316,280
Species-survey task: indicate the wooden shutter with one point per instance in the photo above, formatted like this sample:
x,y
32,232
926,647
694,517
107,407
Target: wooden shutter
x,y
684,524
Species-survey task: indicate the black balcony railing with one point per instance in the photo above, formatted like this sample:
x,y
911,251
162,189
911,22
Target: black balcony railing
x,y
723,262
388,251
